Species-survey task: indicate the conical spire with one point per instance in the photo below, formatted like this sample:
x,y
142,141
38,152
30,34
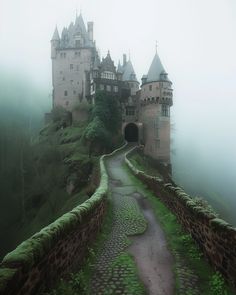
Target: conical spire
x,y
129,73
119,69
155,70
79,23
56,36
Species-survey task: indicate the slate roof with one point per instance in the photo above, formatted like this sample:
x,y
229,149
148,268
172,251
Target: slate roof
x,y
128,72
68,35
56,35
155,70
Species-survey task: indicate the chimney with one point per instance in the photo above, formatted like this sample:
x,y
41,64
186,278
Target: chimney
x,y
124,60
90,31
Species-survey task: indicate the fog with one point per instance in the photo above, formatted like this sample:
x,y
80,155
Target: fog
x,y
197,45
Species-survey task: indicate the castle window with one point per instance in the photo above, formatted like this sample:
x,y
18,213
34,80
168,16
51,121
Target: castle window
x,y
108,75
64,54
74,92
67,103
165,110
71,66
115,88
150,87
77,68
63,78
109,88
102,87
65,93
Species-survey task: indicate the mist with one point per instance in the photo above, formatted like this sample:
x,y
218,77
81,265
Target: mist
x,y
197,45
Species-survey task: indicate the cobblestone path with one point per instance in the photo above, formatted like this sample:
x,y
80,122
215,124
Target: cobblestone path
x,y
131,221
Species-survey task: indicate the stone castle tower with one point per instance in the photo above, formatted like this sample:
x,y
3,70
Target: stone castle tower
x,y
73,56
78,72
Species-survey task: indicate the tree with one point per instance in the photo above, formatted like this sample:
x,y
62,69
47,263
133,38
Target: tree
x,y
107,108
105,122
97,135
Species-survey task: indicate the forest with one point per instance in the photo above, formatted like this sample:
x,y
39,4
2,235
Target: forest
x,y
38,182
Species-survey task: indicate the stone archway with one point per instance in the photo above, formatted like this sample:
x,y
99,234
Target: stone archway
x,y
131,132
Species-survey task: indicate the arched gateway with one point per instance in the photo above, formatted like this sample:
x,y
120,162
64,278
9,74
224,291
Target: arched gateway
x,y
131,132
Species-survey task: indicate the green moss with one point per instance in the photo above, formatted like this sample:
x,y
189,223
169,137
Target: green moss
x,y
183,248
131,281
219,224
190,204
33,249
6,276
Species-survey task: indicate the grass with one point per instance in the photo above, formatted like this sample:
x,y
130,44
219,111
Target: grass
x,y
141,164
130,280
184,249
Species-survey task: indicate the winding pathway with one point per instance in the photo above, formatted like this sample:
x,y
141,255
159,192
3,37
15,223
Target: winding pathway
x,y
135,231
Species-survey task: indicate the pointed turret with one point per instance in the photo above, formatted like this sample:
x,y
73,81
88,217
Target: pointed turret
x,y
129,73
155,70
55,43
107,63
79,24
55,36
119,69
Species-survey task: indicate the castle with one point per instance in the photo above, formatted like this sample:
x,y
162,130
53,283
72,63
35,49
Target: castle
x,y
78,72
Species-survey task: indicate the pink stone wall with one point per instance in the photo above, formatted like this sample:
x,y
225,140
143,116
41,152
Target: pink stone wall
x,y
156,132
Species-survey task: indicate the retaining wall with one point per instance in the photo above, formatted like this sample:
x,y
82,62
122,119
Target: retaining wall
x,y
215,237
57,249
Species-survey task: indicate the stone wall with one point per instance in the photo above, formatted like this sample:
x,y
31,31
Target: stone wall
x,y
57,249
215,237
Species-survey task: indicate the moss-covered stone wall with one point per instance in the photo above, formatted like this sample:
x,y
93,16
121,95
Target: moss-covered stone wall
x,y
59,248
215,237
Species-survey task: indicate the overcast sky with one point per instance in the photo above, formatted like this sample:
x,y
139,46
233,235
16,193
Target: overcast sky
x,y
196,43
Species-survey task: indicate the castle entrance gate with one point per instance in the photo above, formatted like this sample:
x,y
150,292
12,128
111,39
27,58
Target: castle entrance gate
x,y
131,132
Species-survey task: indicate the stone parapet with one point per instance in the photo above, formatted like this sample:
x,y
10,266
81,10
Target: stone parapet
x,y
59,248
215,237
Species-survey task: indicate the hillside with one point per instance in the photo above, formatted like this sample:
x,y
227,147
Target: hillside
x,y
56,171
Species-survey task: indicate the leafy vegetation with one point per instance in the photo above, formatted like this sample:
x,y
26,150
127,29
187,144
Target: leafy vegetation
x,y
102,133
142,164
41,178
